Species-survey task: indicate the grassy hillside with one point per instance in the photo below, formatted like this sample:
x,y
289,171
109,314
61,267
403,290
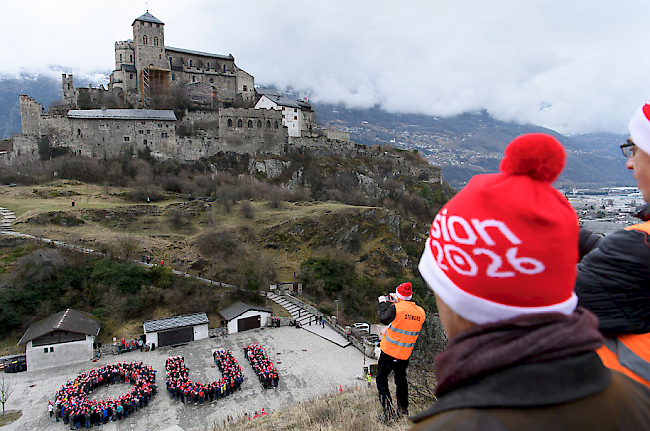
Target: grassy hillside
x,y
344,252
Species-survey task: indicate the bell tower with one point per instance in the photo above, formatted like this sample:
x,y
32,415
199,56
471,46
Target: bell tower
x,y
150,62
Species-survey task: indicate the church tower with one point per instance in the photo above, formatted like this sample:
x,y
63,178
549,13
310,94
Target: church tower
x,y
150,62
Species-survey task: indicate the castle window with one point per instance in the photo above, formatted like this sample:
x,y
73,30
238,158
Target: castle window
x,y
194,79
131,58
208,65
170,62
224,68
144,142
211,80
127,139
155,40
244,88
295,117
229,122
250,124
268,124
276,124
190,63
130,76
120,58
78,132
141,132
144,40
259,123
240,123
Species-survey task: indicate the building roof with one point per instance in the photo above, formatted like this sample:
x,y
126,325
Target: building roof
x,y
122,114
175,322
147,17
204,54
281,100
304,105
68,320
239,308
129,68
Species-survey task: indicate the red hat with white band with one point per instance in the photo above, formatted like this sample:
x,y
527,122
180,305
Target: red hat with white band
x,y
507,243
640,128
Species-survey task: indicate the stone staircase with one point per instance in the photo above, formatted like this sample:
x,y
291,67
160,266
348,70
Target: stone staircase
x,y
7,219
302,313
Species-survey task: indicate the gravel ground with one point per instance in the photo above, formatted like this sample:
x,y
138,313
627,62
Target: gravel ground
x,y
308,366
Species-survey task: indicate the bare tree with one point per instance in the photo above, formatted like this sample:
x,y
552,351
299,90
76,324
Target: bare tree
x,y
6,389
128,244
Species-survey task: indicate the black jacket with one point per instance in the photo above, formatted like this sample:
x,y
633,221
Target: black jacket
x,y
573,394
387,312
614,281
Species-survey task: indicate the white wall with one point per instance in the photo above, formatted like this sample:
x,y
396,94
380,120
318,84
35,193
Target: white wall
x,y
291,120
152,337
266,103
63,354
232,325
200,332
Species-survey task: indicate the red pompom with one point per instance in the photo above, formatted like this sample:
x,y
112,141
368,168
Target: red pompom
x,y
537,155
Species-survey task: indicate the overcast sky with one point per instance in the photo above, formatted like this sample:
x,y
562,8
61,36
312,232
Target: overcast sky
x,y
575,66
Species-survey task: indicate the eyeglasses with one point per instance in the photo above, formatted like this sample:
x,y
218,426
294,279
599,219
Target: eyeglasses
x,y
628,149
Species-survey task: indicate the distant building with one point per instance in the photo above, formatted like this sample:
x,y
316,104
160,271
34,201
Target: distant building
x,y
64,338
242,317
176,330
298,117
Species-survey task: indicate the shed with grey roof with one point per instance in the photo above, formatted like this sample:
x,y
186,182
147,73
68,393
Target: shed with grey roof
x,y
176,329
242,317
61,339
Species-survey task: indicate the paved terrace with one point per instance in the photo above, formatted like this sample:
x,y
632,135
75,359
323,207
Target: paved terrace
x,y
308,366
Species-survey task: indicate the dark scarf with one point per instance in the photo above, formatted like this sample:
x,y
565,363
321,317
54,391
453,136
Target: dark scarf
x,y
526,339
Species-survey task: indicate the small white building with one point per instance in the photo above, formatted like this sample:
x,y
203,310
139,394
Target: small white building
x,y
242,317
64,338
296,116
176,330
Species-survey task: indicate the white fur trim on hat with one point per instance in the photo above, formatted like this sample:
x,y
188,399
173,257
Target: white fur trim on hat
x,y
403,298
474,308
640,130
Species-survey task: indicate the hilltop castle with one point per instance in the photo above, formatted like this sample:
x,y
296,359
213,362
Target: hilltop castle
x,y
139,109
145,65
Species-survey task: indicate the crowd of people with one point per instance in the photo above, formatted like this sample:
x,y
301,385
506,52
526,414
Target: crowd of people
x,y
182,388
129,345
73,406
262,365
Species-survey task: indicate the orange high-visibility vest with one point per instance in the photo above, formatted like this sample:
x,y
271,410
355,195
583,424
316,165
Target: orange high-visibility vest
x,y
629,354
403,331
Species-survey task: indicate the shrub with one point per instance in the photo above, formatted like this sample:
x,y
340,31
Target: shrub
x,y
247,210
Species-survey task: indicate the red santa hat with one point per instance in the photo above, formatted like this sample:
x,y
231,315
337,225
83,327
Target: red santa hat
x,y
507,243
404,291
640,128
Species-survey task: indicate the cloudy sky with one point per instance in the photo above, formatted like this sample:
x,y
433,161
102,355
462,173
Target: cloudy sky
x,y
575,66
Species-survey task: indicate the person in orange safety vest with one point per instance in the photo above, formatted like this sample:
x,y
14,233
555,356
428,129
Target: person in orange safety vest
x,y
404,319
614,277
